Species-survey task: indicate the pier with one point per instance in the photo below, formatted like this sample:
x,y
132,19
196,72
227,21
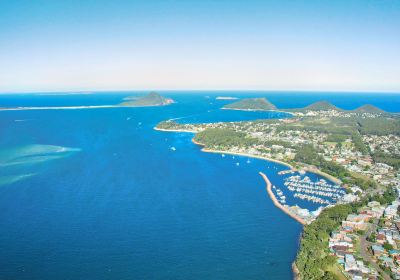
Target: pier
x,y
277,203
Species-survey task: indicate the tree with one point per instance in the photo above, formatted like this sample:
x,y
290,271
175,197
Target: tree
x,y
387,246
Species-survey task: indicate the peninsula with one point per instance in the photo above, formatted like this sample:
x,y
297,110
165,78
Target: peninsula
x,y
358,149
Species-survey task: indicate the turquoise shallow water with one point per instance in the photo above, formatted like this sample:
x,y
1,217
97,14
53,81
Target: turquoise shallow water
x,y
120,204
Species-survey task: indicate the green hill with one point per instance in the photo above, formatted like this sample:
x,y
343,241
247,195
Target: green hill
x,y
317,106
151,99
251,104
369,109
321,106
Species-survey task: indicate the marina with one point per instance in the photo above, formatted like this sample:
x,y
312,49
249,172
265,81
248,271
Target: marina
x,y
320,192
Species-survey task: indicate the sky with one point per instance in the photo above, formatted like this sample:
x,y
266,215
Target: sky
x,y
71,45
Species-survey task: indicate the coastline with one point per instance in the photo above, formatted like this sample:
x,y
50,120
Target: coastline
x,y
308,169
277,203
326,175
242,154
174,130
296,272
75,107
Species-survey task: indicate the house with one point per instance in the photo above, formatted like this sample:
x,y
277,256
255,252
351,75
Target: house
x,y
380,238
377,250
373,204
388,262
350,263
394,252
378,211
360,225
390,211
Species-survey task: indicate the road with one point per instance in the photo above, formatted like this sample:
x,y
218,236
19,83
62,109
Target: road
x,y
365,254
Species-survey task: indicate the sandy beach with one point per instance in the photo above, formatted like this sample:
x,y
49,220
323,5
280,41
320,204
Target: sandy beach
x,y
276,202
242,154
174,130
308,169
319,172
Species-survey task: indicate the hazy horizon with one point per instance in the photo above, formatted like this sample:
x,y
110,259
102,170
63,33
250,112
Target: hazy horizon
x,y
199,91
101,45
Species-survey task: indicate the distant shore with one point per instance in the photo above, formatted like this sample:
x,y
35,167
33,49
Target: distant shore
x,y
60,108
75,107
276,202
258,110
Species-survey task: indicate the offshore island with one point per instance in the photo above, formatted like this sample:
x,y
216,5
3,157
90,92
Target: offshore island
x,y
357,233
152,99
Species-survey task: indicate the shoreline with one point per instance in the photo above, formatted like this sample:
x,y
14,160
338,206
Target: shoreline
x,y
243,155
277,203
75,107
174,130
296,272
323,174
306,168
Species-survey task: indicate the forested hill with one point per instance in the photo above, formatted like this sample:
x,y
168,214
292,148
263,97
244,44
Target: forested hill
x,y
251,104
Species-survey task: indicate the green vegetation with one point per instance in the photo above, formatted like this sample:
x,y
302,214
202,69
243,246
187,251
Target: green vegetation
x,y
307,154
358,143
321,106
313,259
151,99
379,126
387,158
167,125
387,246
337,138
368,108
256,104
223,138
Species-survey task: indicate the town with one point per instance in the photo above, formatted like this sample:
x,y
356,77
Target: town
x,y
357,150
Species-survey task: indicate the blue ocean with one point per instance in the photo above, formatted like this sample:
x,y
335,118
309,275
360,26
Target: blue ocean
x,y
99,194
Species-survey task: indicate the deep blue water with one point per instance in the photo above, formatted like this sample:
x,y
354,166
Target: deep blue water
x,y
126,206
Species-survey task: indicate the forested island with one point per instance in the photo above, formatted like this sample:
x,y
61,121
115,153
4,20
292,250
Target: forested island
x,y
360,148
251,104
151,99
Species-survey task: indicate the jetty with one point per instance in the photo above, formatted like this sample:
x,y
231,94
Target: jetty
x,y
277,203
